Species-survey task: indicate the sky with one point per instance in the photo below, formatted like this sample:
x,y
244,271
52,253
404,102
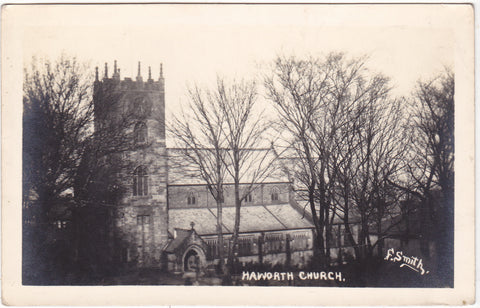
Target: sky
x,y
196,43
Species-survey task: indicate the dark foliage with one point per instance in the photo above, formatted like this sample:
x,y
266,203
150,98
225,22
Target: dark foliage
x,y
71,167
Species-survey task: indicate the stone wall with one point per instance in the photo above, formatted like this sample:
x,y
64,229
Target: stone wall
x,y
261,195
263,249
142,220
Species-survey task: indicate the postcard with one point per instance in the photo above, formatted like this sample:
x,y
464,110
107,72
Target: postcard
x,y
238,154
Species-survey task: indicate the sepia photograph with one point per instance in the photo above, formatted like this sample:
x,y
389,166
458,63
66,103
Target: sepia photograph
x,y
251,148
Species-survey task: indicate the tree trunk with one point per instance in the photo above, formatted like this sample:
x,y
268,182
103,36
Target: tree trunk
x,y
221,256
380,237
236,228
348,231
260,248
362,242
288,251
425,223
328,235
319,248
444,238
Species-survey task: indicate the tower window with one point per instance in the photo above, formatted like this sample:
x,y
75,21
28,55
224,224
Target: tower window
x,y
140,181
249,198
274,194
191,199
140,133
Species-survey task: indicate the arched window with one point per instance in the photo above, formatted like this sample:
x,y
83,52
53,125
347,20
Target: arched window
x,y
191,199
140,133
274,194
140,181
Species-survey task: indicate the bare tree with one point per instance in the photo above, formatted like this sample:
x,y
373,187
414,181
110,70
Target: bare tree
x,y
431,166
371,156
244,130
221,137
199,134
345,132
300,91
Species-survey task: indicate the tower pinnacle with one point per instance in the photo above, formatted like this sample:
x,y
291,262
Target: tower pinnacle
x,y
139,74
116,72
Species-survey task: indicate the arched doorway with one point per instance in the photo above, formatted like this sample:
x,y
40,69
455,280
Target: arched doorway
x,y
193,259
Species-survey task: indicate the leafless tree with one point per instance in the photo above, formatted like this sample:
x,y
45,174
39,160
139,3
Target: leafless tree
x,y
247,163
345,132
370,157
220,135
300,91
431,166
199,134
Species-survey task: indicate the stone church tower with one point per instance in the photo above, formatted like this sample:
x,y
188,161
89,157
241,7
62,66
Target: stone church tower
x,y
141,216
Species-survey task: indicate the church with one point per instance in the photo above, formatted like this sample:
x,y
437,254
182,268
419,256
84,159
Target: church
x,y
168,220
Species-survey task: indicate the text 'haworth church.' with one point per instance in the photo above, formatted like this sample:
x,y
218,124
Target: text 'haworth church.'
x,y
168,220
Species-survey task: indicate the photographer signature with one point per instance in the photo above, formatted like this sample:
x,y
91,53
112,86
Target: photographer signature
x,y
411,262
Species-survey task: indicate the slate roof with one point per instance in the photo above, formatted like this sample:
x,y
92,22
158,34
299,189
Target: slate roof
x,y
284,213
181,236
203,218
254,218
303,207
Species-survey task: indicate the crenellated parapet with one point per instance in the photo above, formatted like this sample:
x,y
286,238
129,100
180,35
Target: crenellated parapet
x,y
140,98
129,84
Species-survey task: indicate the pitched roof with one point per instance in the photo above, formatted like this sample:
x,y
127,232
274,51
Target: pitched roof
x,y
254,218
182,235
289,216
203,218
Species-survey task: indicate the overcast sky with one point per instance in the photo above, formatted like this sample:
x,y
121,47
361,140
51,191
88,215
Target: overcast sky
x,y
197,42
